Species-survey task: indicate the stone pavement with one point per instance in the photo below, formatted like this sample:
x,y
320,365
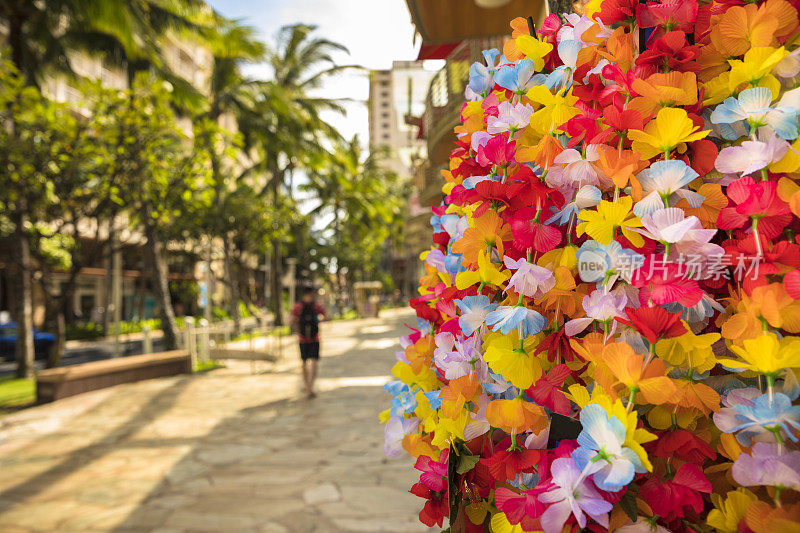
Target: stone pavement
x,y
222,451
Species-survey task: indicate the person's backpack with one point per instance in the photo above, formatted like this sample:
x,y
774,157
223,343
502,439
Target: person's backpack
x,y
309,321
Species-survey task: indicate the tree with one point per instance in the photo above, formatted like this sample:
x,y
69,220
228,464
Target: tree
x,y
230,96
40,144
154,172
291,126
41,36
362,200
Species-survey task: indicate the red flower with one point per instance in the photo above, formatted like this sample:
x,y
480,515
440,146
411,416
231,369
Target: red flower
x,y
701,156
613,11
757,201
547,390
780,257
497,151
791,283
530,232
669,498
670,52
681,444
662,283
654,323
668,14
523,508
558,347
435,509
505,464
425,311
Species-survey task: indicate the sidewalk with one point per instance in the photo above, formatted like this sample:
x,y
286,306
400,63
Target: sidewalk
x,y
223,451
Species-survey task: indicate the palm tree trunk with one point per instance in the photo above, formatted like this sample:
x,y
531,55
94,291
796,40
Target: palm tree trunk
x,y
277,261
24,297
155,251
233,283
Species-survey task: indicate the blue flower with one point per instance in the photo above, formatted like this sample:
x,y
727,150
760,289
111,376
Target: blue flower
x,y
518,77
498,386
481,76
600,445
506,318
751,416
433,398
754,107
561,77
473,312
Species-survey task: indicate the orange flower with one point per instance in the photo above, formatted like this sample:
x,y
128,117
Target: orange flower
x,y
620,365
620,166
458,392
416,444
769,303
516,416
565,295
619,48
486,231
741,28
543,153
519,26
664,90
709,210
694,394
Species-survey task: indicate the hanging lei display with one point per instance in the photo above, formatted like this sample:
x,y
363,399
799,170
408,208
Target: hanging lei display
x,y
607,328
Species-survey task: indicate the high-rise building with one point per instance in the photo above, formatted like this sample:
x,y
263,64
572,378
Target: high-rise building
x,y
396,95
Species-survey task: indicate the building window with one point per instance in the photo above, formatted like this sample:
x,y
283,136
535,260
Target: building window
x,y
385,115
385,94
385,136
385,125
384,83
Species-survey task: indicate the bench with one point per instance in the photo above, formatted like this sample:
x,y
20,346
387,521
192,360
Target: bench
x,y
56,383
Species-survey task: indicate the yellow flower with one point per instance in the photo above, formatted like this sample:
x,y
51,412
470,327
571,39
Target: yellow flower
x,y
756,68
519,367
500,524
427,415
729,512
766,354
671,128
556,108
534,49
487,274
426,378
689,350
450,428
601,225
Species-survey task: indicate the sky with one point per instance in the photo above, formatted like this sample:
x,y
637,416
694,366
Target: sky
x,y
375,31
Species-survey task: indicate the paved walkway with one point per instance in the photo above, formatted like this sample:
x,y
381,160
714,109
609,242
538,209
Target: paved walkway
x,y
223,451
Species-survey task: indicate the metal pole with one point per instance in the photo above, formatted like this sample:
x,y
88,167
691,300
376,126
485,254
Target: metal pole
x,y
207,310
116,289
204,340
147,341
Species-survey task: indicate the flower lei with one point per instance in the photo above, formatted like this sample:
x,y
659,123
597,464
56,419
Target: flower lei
x,y
607,327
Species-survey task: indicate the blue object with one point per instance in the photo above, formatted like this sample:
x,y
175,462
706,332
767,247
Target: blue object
x,y
8,341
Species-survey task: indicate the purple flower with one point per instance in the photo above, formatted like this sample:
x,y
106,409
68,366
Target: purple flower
x,y
394,431
531,280
457,357
765,466
571,495
601,306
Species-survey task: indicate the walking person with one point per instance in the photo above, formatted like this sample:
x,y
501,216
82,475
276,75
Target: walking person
x,y
305,318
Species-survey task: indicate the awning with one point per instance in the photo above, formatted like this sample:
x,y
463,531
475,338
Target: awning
x,y
450,21
436,51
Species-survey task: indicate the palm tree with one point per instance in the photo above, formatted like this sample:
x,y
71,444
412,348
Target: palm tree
x,y
230,93
291,123
355,192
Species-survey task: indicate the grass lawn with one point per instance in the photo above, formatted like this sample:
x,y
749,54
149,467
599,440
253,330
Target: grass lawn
x,y
16,392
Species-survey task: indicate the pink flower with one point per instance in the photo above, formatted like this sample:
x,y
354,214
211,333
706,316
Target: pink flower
x,y
434,473
751,156
663,282
571,496
765,465
511,118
